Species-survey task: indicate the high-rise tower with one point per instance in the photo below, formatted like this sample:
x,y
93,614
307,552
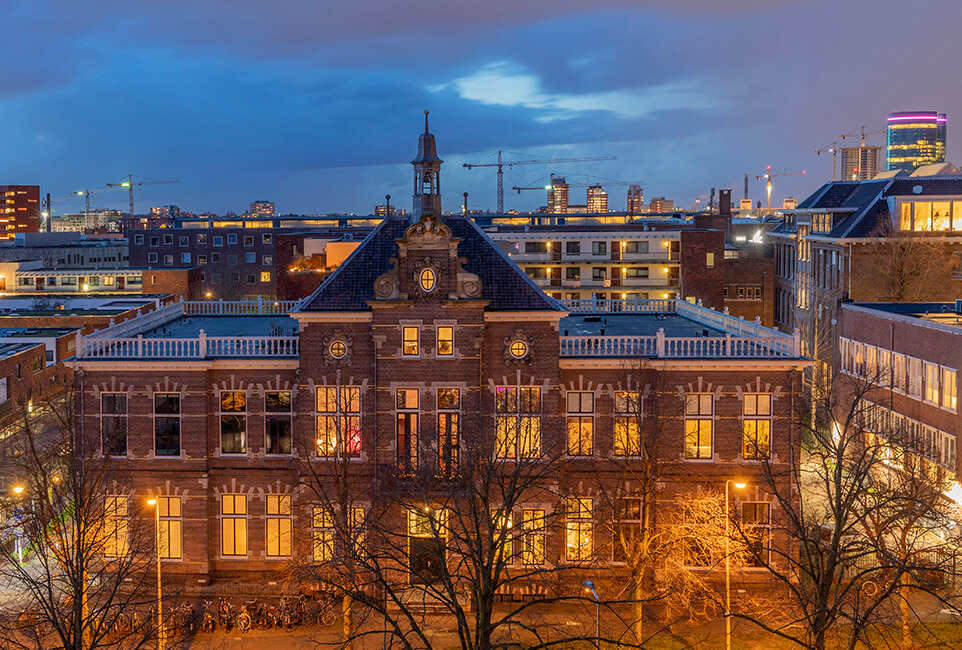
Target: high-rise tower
x,y
427,176
915,138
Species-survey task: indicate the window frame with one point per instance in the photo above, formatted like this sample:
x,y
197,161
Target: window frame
x,y
237,521
171,417
696,420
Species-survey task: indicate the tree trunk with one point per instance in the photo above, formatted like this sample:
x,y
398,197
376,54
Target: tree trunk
x,y
906,613
347,626
637,610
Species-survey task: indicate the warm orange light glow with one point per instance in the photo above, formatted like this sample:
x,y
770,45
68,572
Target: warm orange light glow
x,y
18,489
740,486
152,502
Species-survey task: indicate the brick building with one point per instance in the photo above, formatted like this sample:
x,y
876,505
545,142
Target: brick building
x,y
425,348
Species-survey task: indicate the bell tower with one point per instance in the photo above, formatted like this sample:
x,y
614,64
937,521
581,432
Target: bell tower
x,y
427,177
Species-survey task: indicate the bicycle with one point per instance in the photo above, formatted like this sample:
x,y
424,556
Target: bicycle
x,y
208,622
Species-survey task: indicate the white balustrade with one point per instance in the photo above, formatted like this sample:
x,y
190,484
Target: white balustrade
x,y
194,348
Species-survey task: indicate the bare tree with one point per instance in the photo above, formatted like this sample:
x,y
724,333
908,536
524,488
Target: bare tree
x,y
75,571
860,512
904,267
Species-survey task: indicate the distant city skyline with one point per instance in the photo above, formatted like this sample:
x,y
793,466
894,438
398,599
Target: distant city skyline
x,y
313,109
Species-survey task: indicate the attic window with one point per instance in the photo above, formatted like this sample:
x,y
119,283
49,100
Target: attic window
x,y
338,349
519,349
428,280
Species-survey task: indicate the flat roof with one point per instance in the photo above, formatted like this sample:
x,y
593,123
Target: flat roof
x,y
10,349
185,327
634,325
934,312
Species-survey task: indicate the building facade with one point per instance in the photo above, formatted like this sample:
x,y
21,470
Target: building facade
x,y
860,163
426,353
19,210
915,138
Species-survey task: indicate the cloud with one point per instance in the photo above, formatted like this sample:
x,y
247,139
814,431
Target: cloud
x,y
504,84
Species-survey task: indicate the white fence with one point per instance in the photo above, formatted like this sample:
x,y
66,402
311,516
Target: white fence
x,y
201,347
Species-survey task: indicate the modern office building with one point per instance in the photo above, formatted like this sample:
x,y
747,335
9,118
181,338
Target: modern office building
x,y
597,200
19,209
915,138
636,199
558,196
860,163
262,209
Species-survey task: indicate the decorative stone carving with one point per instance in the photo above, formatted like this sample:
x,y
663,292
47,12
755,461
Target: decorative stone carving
x,y
338,348
427,232
386,287
518,348
469,284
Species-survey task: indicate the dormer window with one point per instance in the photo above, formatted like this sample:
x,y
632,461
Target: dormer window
x,y
428,280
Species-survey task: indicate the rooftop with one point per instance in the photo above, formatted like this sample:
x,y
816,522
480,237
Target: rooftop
x,y
943,313
191,326
34,332
634,325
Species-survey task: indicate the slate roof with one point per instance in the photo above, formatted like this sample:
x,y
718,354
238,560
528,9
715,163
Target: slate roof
x,y
503,284
830,195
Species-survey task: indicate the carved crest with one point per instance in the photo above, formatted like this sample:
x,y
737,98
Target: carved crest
x,y
469,284
518,348
427,233
338,348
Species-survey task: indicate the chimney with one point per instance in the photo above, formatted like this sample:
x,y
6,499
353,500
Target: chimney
x,y
725,203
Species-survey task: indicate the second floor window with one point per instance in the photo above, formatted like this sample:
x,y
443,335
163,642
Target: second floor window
x,y
170,527
627,423
167,424
518,421
532,536
338,421
277,404
408,403
233,422
581,407
116,542
449,430
699,418
445,341
578,532
411,345
113,423
757,424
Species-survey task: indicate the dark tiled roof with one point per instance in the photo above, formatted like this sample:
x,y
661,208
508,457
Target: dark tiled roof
x,y
504,285
930,186
864,199
830,195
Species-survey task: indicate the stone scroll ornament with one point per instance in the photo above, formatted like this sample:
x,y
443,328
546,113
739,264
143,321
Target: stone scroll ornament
x,y
387,287
518,348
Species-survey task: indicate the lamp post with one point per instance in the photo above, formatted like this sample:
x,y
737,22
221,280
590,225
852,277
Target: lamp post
x,y
160,612
590,587
18,514
728,569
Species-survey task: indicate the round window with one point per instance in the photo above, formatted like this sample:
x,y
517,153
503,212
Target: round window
x,y
518,349
338,349
428,280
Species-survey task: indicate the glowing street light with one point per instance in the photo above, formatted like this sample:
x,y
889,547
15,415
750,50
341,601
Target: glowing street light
x,y
18,514
590,587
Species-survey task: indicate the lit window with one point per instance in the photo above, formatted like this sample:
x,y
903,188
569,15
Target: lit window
x,y
411,341
233,422
518,413
578,533
627,528
338,421
322,535
932,388
532,537
449,430
407,429
116,526
581,406
445,341
756,525
265,276
428,280
427,539
233,510
627,423
278,525
518,349
338,349
757,425
501,535
699,409
710,260
949,388
170,527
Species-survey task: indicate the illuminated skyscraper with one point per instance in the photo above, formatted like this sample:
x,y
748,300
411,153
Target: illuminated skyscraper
x,y
597,200
636,199
915,138
558,195
19,209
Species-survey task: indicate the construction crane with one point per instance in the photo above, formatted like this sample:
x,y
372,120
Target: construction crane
x,y
598,182
862,135
770,177
84,193
501,164
129,184
834,152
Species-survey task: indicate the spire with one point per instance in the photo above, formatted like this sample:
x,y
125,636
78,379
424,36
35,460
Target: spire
x,y
427,176
426,120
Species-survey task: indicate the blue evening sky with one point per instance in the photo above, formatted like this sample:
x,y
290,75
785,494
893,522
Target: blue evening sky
x,y
317,105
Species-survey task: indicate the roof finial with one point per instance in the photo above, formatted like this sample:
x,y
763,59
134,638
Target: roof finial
x,y
426,120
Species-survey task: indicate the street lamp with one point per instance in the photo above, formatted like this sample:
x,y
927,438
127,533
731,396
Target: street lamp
x,y
590,587
18,514
160,612
728,569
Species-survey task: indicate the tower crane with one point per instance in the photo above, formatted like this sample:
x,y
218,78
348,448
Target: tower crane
x,y
129,184
862,135
84,193
834,151
770,177
501,164
601,182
